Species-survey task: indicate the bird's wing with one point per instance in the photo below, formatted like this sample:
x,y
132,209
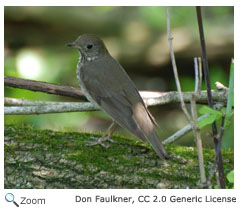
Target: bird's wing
x,y
117,106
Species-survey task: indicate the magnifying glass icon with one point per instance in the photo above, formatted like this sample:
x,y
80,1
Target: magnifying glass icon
x,y
9,197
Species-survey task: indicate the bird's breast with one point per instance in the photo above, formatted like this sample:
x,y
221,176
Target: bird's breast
x,y
80,76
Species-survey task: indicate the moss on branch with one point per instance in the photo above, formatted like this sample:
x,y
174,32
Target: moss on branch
x,y
48,159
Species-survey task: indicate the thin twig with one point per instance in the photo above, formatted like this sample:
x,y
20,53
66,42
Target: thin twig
x,y
198,141
219,146
211,173
175,67
210,100
196,130
180,133
200,73
204,57
198,76
218,152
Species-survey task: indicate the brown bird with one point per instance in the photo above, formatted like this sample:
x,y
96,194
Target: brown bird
x,y
106,85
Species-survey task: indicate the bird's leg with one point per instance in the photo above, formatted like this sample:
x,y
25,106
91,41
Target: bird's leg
x,y
100,141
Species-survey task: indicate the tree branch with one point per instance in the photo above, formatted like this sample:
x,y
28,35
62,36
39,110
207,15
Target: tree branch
x,y
180,133
151,98
52,108
44,87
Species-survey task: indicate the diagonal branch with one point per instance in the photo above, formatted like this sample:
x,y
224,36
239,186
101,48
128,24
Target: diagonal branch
x,y
33,85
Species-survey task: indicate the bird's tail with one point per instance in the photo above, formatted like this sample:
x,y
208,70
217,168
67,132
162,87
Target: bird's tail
x,y
157,145
146,130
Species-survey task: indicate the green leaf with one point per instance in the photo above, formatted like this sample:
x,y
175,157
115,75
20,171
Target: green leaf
x,y
230,100
214,115
206,109
230,176
206,121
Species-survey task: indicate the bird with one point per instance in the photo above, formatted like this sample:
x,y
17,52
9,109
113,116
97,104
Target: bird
x,y
106,85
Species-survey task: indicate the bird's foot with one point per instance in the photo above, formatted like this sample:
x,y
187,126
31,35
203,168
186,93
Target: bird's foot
x,y
100,141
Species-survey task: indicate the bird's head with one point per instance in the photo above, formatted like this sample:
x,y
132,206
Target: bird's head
x,y
89,46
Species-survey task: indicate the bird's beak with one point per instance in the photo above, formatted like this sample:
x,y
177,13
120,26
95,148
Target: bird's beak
x,y
73,45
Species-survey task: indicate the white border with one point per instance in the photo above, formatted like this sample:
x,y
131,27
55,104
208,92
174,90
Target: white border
x,y
64,199
119,3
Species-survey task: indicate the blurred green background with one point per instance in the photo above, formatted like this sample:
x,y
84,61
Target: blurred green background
x,y
34,39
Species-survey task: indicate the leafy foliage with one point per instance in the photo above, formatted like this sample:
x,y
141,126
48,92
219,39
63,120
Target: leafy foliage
x,y
214,115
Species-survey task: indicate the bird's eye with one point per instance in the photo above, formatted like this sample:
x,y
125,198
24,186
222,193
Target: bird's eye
x,y
89,46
